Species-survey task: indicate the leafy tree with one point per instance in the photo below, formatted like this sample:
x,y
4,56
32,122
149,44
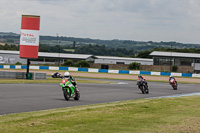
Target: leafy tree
x,y
10,40
134,66
144,54
68,63
82,63
104,51
18,63
44,48
9,47
174,68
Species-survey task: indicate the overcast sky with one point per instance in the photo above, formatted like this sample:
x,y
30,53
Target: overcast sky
x,y
139,20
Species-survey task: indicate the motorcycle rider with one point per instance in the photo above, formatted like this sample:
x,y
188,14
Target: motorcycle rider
x,y
68,76
170,78
72,80
57,74
140,77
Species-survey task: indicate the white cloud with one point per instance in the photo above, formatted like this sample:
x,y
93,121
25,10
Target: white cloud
x,y
144,20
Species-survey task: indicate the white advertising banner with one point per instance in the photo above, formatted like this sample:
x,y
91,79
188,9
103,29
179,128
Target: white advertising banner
x,y
29,37
176,74
113,71
93,70
53,68
134,72
35,67
155,73
72,69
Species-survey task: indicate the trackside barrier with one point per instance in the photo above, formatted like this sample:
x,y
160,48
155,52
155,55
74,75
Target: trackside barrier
x,y
165,73
83,69
134,72
93,70
63,68
44,67
113,71
123,71
103,70
99,70
21,75
155,73
186,75
145,72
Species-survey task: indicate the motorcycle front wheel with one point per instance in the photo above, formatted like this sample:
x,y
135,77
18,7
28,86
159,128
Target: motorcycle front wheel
x,y
146,89
142,90
66,94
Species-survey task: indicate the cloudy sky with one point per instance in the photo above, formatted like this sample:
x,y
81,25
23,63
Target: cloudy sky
x,y
140,20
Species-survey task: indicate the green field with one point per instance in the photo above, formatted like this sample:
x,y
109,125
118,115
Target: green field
x,y
69,50
169,115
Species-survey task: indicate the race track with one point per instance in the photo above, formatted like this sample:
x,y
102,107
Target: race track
x,y
15,98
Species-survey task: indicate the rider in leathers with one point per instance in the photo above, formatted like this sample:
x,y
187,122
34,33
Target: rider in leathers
x,y
171,77
140,77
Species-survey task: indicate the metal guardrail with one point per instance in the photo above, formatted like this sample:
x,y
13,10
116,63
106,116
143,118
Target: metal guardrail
x,y
39,75
21,75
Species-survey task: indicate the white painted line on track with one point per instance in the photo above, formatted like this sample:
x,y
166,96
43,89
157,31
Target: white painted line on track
x,y
179,95
119,83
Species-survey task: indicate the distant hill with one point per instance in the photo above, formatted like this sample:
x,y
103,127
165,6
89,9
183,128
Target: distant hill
x,y
82,45
8,34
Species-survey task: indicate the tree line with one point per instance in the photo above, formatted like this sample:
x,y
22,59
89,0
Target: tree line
x,y
124,48
102,50
115,43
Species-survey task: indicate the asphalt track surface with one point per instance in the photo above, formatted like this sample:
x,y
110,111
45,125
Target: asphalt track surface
x,y
16,98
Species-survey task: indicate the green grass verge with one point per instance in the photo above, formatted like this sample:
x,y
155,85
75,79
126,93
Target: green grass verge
x,y
148,115
48,80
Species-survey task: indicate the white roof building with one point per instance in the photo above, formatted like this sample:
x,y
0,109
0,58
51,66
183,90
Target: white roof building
x,y
177,59
122,60
175,54
11,57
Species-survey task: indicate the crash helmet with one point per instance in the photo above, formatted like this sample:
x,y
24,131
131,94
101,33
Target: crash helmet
x,y
66,74
139,76
170,76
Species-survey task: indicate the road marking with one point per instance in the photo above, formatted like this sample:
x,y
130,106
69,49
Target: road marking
x,y
119,83
179,95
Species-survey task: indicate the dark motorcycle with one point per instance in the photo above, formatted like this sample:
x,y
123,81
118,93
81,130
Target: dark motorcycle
x,y
142,85
56,75
173,83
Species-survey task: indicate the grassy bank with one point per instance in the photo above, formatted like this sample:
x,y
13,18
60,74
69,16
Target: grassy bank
x,y
148,115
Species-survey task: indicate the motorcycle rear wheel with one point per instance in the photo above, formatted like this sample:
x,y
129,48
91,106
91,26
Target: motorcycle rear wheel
x,y
77,96
174,87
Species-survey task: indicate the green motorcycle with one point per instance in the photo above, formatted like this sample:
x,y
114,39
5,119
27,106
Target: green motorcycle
x,y
69,90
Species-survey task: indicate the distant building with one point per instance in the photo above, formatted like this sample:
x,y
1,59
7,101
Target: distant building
x,y
12,57
176,59
121,60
